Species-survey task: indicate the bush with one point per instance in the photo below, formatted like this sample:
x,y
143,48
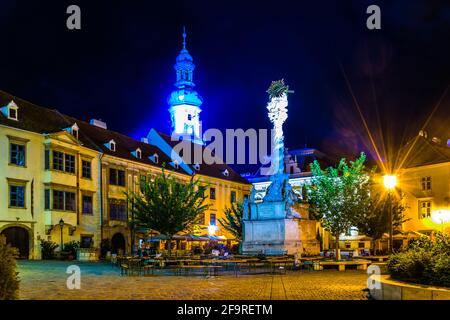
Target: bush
x,y
9,281
71,247
424,261
48,249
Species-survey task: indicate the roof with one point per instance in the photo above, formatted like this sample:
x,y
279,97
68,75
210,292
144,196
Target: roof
x,y
303,158
44,121
422,151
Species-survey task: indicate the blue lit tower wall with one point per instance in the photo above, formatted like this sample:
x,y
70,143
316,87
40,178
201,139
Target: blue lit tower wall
x,y
184,101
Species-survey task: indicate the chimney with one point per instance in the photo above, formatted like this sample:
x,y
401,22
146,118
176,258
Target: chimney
x,y
144,140
98,123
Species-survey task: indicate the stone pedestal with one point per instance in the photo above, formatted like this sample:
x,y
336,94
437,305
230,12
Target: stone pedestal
x,y
271,233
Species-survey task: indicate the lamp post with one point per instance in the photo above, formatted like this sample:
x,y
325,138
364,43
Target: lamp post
x,y
61,226
390,181
442,217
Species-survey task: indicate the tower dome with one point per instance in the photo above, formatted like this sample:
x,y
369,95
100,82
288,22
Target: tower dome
x,y
184,101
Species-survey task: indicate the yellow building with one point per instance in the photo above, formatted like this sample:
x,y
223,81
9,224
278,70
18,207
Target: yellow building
x,y
425,180
56,169
63,179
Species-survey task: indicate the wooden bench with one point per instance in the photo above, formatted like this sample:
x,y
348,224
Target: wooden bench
x,y
360,264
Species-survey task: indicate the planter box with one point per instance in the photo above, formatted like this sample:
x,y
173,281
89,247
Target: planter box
x,y
87,254
390,289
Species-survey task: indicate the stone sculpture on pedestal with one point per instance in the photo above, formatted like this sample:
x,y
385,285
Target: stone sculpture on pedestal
x,y
273,226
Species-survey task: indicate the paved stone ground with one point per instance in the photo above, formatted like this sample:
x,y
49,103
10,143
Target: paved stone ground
x,y
47,280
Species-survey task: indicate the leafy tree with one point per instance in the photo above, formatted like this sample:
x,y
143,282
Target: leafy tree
x,y
373,218
233,220
9,281
335,194
167,205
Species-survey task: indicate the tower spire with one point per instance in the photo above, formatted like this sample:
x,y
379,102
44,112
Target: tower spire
x,y
184,37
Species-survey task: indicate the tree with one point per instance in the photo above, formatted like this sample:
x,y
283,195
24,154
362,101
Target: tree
x,y
233,220
9,280
335,194
167,205
373,220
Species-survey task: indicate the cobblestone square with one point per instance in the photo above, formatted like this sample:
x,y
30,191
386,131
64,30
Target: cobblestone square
x,y
99,281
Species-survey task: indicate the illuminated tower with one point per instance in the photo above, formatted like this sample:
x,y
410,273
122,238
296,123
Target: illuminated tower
x,y
184,101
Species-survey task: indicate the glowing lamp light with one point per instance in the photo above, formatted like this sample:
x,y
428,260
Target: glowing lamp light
x,y
441,216
389,182
212,229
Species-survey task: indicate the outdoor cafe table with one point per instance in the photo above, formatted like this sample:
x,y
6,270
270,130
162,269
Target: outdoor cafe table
x,y
235,262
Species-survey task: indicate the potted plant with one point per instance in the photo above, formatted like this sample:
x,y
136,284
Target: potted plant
x,y
71,248
48,249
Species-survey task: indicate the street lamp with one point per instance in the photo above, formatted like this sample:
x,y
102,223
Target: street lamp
x,y
61,225
390,181
212,229
441,216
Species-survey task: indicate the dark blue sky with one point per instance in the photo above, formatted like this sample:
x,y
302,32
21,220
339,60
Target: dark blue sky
x,y
119,67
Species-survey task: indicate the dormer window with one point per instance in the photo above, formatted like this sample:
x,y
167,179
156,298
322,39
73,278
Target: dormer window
x,y
225,173
13,114
11,111
73,130
154,158
111,145
137,153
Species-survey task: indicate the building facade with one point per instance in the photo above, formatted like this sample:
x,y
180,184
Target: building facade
x,y
63,179
425,182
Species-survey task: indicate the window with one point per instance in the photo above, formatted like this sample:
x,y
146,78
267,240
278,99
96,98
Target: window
x,y
138,154
233,196
17,196
142,182
69,163
212,193
117,210
17,154
87,204
13,114
426,183
189,117
86,242
212,219
47,199
58,200
201,218
424,209
361,245
117,177
75,132
63,200
69,201
112,146
86,169
47,159
58,160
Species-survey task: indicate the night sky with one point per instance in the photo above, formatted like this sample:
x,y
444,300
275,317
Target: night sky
x,y
119,66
